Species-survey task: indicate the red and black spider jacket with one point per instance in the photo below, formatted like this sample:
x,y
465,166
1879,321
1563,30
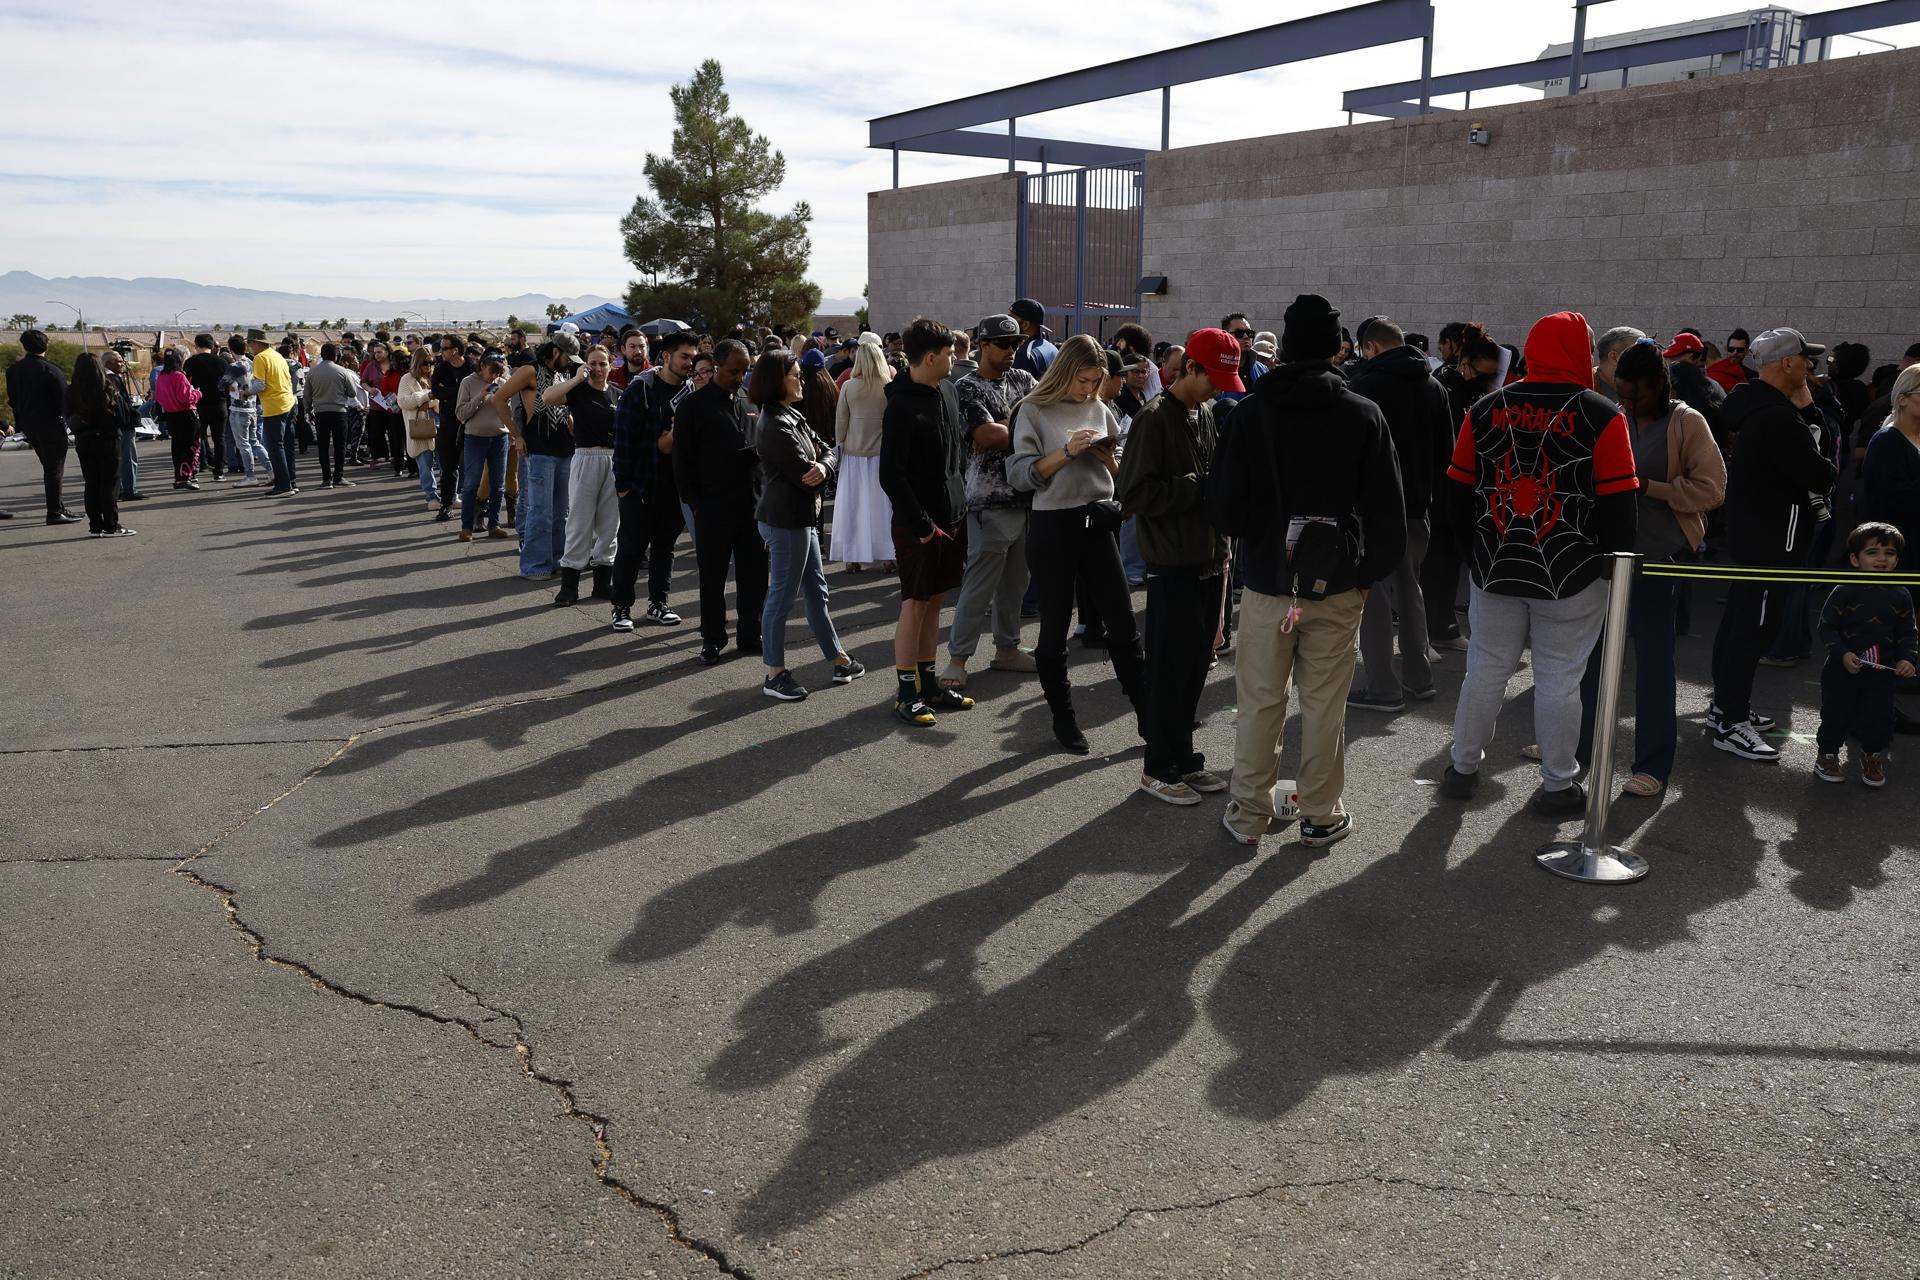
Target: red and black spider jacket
x,y
1545,469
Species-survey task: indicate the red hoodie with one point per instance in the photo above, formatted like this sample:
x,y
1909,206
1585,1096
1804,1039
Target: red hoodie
x,y
1547,465
1728,372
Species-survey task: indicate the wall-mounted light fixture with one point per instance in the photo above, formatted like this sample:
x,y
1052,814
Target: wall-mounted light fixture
x,y
1155,285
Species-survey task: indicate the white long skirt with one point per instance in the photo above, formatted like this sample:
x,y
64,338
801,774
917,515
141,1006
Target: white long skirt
x,y
862,516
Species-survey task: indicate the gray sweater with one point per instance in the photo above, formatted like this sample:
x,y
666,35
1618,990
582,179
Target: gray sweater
x,y
1037,432
331,388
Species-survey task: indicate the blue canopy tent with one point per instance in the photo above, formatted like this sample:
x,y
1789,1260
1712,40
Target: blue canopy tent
x,y
594,319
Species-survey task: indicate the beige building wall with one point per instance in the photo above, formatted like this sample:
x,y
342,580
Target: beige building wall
x,y
1786,197
945,250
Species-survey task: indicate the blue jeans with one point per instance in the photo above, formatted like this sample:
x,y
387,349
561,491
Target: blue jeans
x,y
1131,560
543,520
243,433
277,432
793,565
1656,733
428,484
129,466
489,452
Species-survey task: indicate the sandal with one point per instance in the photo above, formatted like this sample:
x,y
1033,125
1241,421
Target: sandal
x,y
954,677
1642,784
1531,752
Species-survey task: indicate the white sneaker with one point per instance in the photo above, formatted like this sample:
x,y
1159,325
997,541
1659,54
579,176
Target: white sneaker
x,y
1743,741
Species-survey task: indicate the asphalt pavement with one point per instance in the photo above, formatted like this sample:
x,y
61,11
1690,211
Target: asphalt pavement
x,y
364,915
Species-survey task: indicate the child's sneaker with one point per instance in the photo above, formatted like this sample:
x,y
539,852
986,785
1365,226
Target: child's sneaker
x,y
1827,768
1873,769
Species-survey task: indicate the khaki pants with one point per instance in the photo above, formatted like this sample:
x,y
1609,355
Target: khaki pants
x,y
1320,652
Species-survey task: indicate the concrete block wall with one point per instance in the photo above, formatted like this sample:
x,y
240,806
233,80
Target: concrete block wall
x,y
944,250
1781,197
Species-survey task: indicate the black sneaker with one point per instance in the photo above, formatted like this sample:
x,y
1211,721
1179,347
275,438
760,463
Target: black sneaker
x,y
120,532
661,616
1318,835
1455,785
947,700
1742,740
1760,723
847,672
446,514
914,713
623,619
1565,803
1367,702
709,654
783,687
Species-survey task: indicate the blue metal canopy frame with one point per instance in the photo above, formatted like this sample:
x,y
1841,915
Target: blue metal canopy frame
x,y
949,128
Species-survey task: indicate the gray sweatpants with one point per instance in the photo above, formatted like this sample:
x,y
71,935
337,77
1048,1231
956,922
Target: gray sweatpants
x,y
1398,592
994,580
1562,634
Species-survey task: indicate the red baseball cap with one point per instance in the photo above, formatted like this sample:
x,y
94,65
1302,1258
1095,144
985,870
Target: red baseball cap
x,y
1218,352
1684,345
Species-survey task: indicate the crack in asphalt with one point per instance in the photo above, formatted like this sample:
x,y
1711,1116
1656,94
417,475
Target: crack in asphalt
x,y
1378,1179
167,746
518,1045
478,1029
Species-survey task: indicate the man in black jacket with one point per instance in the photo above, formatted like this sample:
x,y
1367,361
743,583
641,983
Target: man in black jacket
x,y
1776,470
1308,482
449,371
204,369
38,392
922,461
1395,376
715,466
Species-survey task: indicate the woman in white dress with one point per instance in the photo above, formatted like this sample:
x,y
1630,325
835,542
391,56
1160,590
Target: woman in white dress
x,y
862,516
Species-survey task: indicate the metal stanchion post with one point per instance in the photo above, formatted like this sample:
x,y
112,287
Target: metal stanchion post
x,y
1590,859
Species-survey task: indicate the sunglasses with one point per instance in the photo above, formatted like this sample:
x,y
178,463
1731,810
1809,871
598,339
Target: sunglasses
x,y
1736,351
1005,344
1241,334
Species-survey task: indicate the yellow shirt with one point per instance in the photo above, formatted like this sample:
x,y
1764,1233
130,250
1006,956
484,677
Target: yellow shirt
x,y
277,398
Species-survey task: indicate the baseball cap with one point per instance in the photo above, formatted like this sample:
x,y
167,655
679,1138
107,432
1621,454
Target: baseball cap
x,y
1218,352
1115,365
566,342
812,359
1777,344
1029,310
1685,344
998,328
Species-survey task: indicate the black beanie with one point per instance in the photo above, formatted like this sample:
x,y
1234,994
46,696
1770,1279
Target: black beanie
x,y
1310,329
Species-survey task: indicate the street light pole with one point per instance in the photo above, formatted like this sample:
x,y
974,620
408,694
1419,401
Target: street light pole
x,y
80,321
178,314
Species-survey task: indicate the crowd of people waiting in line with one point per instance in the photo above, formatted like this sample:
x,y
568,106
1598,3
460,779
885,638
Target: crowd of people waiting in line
x,y
1317,493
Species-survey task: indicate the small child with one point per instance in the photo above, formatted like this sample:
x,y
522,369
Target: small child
x,y
1870,638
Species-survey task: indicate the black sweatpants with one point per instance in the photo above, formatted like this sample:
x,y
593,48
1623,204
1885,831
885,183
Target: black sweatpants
x,y
1858,707
99,454
1746,630
724,531
330,429
1062,554
212,413
649,528
51,448
449,445
1182,608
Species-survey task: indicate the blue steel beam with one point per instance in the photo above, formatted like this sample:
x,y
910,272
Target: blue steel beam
x,y
1342,31
995,146
1860,17
1645,53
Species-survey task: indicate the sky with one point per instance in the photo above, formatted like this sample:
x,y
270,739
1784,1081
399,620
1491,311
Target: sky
x,y
465,150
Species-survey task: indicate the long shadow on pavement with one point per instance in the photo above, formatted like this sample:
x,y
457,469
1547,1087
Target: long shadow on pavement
x,y
981,1069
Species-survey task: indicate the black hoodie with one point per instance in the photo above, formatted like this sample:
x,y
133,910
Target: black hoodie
x,y
1302,444
1418,414
923,456
1774,469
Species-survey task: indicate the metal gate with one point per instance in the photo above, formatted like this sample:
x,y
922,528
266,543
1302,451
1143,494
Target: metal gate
x,y
1079,250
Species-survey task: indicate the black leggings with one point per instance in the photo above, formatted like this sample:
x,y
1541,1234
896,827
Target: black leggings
x,y
1066,557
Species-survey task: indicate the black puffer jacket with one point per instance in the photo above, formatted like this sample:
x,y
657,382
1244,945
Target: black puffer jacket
x,y
1418,414
1302,444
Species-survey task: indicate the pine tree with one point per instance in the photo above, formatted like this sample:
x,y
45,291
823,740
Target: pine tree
x,y
711,254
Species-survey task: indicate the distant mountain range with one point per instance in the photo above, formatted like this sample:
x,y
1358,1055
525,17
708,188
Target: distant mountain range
x,y
112,301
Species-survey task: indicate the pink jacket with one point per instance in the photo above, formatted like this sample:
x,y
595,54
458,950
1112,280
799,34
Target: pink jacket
x,y
175,394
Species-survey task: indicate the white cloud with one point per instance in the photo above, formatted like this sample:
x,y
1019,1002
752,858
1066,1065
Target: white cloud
x,y
471,149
